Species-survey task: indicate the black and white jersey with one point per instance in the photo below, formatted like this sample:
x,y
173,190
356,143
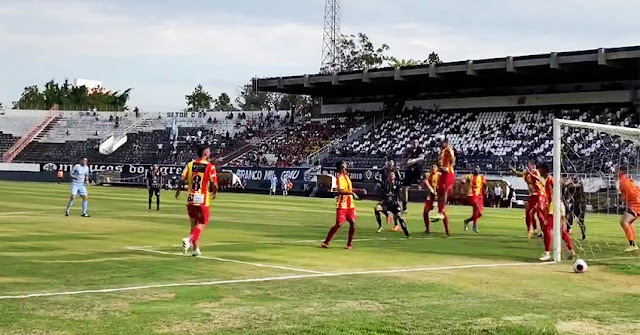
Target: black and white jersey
x,y
391,191
154,179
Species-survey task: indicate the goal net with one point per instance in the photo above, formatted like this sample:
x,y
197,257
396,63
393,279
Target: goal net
x,y
585,158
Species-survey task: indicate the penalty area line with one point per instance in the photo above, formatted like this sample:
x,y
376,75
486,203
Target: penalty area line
x,y
267,279
226,260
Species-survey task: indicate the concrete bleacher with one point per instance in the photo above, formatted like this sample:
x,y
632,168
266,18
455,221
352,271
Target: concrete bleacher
x,y
491,139
18,122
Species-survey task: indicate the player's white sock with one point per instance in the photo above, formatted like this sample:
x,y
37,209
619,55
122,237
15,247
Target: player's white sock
x,y
186,244
196,252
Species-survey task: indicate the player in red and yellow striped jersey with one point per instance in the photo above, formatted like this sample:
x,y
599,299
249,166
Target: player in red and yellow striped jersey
x,y
202,184
631,198
547,226
447,179
477,191
537,197
431,184
346,209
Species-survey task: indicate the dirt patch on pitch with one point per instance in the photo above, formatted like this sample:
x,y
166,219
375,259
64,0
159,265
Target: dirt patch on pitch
x,y
591,327
221,318
361,305
149,295
89,311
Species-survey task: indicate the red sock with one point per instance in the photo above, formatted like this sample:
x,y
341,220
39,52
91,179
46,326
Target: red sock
x,y
195,234
332,232
352,233
548,237
567,239
446,223
427,222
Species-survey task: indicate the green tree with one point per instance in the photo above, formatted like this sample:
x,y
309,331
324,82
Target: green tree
x,y
251,100
223,103
433,58
357,52
199,99
288,101
69,97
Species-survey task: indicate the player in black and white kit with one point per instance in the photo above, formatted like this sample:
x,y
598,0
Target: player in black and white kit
x,y
155,180
575,203
413,160
391,202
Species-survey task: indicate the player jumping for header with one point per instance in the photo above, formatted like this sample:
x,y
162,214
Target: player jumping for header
x,y
346,209
547,226
79,182
446,181
414,157
477,191
202,184
631,198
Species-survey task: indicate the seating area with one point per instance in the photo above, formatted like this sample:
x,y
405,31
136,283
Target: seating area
x,y
6,141
492,140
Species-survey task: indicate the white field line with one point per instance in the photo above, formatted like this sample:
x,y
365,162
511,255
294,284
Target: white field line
x,y
226,260
314,241
14,213
250,280
96,260
612,259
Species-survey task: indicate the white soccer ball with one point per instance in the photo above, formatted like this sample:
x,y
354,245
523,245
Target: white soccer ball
x,y
580,266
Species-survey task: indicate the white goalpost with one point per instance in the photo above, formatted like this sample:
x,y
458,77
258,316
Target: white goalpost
x,y
587,153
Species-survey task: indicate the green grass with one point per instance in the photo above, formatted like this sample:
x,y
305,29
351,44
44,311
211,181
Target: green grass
x,y
42,251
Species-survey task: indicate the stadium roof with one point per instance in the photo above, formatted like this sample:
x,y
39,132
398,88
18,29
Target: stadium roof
x,y
586,66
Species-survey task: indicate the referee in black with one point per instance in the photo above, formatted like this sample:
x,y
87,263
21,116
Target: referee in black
x,y
154,184
391,202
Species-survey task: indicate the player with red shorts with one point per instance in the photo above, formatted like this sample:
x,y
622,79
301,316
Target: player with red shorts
x,y
445,185
431,184
477,191
202,184
536,200
547,226
346,209
631,198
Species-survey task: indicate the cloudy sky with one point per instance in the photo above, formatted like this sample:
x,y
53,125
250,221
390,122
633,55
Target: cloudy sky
x,y
163,48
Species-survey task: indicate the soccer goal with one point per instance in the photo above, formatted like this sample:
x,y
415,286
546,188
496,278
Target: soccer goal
x,y
585,156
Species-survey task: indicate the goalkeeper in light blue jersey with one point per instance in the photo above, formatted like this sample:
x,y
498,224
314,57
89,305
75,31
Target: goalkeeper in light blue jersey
x,y
79,181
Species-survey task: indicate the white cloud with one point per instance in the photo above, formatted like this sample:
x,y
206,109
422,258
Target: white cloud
x,y
79,29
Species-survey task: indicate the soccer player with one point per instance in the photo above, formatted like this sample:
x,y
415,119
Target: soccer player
x,y
447,179
477,191
414,156
631,198
274,185
431,184
79,182
202,184
346,209
547,226
576,204
155,181
285,182
389,167
391,203
536,200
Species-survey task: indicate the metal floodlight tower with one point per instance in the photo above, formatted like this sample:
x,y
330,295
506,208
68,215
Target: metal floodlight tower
x,y
331,36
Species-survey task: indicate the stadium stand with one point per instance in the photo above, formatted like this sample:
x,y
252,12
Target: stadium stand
x,y
491,139
15,124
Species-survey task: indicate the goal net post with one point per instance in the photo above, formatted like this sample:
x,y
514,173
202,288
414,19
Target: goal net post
x,y
587,154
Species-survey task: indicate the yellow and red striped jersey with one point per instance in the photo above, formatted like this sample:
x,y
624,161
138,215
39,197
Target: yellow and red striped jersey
x,y
433,179
548,188
447,157
344,185
535,186
476,185
199,175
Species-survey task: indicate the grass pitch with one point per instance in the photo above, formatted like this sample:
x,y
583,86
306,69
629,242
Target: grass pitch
x,y
264,273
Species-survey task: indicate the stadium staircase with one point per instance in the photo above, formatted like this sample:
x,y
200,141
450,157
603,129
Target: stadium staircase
x,y
115,140
34,134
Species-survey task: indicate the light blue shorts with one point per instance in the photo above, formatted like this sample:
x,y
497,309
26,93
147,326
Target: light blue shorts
x,y
79,189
